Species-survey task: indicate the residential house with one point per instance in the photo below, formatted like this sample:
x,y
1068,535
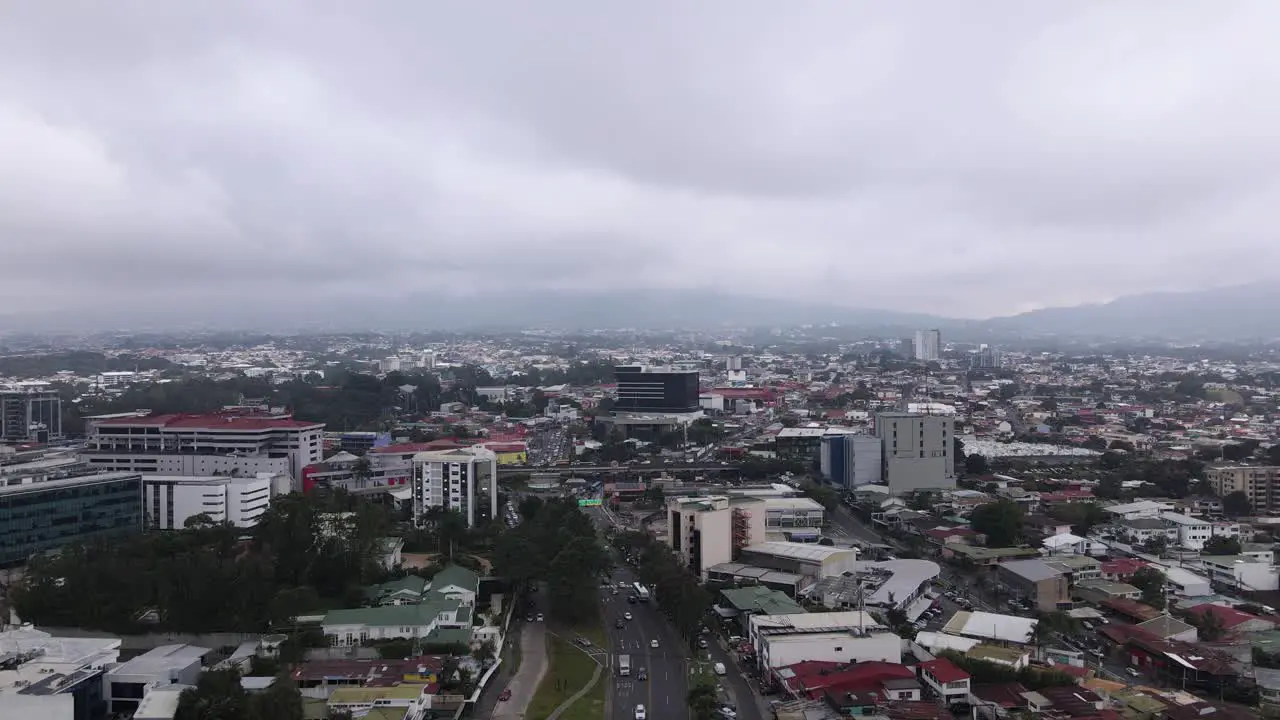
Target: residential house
x,y
946,680
1121,569
408,590
1167,627
456,583
358,626
1045,525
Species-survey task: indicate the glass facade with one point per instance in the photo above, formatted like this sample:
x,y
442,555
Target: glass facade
x,y
44,515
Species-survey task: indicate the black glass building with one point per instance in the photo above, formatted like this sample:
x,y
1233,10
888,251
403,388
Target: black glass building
x,y
644,389
41,516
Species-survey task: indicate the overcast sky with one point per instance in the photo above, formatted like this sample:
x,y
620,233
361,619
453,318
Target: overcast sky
x,y
961,158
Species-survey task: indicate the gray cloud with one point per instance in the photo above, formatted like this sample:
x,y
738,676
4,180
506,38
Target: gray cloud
x,y
993,156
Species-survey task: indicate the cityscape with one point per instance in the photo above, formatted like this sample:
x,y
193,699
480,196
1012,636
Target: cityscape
x,y
614,361
620,523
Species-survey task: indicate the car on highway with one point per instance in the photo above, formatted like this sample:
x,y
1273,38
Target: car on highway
x,y
642,674
539,617
702,642
626,616
653,643
640,713
620,624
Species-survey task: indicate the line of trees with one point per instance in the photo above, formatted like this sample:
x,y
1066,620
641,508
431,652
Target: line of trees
x,y
307,551
679,594
555,543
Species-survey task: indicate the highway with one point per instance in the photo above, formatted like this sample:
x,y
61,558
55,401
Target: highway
x,y
663,694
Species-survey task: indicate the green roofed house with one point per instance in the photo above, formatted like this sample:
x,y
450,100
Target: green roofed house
x,y
408,590
758,600
456,583
357,626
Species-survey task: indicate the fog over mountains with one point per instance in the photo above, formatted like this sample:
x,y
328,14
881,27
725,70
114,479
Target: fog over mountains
x,y
1246,312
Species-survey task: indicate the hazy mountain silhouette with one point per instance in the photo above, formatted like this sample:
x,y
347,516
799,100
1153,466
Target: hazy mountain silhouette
x,y
1242,312
1231,313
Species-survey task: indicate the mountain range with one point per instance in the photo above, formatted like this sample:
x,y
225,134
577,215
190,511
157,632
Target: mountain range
x,y
1245,312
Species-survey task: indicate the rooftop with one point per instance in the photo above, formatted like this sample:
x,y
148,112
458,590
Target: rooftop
x,y
799,551
1009,628
760,599
239,421
163,659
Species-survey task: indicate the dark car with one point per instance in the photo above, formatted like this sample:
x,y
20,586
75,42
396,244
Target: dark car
x,y
642,674
631,599
620,624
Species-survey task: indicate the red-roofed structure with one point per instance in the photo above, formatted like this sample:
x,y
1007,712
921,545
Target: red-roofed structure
x,y
1232,619
243,440
1121,569
813,678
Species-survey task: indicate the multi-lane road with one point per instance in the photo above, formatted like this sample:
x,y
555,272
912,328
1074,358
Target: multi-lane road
x,y
663,693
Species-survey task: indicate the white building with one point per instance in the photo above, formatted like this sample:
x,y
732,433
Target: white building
x,y
928,344
1139,509
244,440
1193,532
1184,583
452,479
1242,573
47,677
168,501
126,685
897,583
356,626
796,512
846,637
815,561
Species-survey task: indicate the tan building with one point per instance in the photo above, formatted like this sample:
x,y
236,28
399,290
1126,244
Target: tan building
x,y
1260,482
707,531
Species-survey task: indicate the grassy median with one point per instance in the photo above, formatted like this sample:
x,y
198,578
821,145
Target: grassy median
x,y
569,670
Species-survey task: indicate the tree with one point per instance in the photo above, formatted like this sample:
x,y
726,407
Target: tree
x,y
1108,488
1000,521
1236,504
1156,544
1151,582
825,496
1209,625
923,501
1220,545
976,464
702,701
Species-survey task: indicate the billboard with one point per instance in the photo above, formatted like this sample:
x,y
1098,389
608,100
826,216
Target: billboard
x,y
589,502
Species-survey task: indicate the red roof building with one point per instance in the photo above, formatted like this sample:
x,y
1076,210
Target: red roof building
x,y
813,678
1232,619
1121,569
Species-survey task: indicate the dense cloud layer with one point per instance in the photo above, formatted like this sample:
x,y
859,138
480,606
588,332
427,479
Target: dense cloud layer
x,y
970,159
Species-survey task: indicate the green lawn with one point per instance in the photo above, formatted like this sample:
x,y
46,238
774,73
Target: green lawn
x,y
568,671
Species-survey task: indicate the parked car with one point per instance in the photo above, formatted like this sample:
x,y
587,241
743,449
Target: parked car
x,y
505,695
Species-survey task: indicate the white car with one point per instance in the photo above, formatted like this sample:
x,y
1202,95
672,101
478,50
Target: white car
x,y
626,616
653,643
640,714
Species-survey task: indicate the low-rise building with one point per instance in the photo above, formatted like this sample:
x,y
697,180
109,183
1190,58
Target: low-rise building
x,y
1095,591
1241,573
127,684
358,626
946,680
169,501
816,561
1034,580
845,637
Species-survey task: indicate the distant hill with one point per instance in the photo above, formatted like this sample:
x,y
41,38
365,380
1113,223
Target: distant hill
x,y
1242,312
1246,312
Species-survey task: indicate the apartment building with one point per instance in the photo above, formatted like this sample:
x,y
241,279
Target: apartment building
x,y
704,532
453,480
244,441
1261,483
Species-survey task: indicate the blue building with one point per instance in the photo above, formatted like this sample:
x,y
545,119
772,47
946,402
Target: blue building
x,y
40,516
851,460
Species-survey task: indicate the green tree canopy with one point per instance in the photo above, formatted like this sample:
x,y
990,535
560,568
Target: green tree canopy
x,y
1236,504
1000,521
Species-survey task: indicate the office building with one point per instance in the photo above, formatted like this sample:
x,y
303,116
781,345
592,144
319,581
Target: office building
x,y
733,362
928,344
452,480
655,390
852,460
30,412
918,451
1043,585
1261,483
40,516
169,501
245,441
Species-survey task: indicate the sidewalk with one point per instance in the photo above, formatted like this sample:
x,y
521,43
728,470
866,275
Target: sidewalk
x,y
533,666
